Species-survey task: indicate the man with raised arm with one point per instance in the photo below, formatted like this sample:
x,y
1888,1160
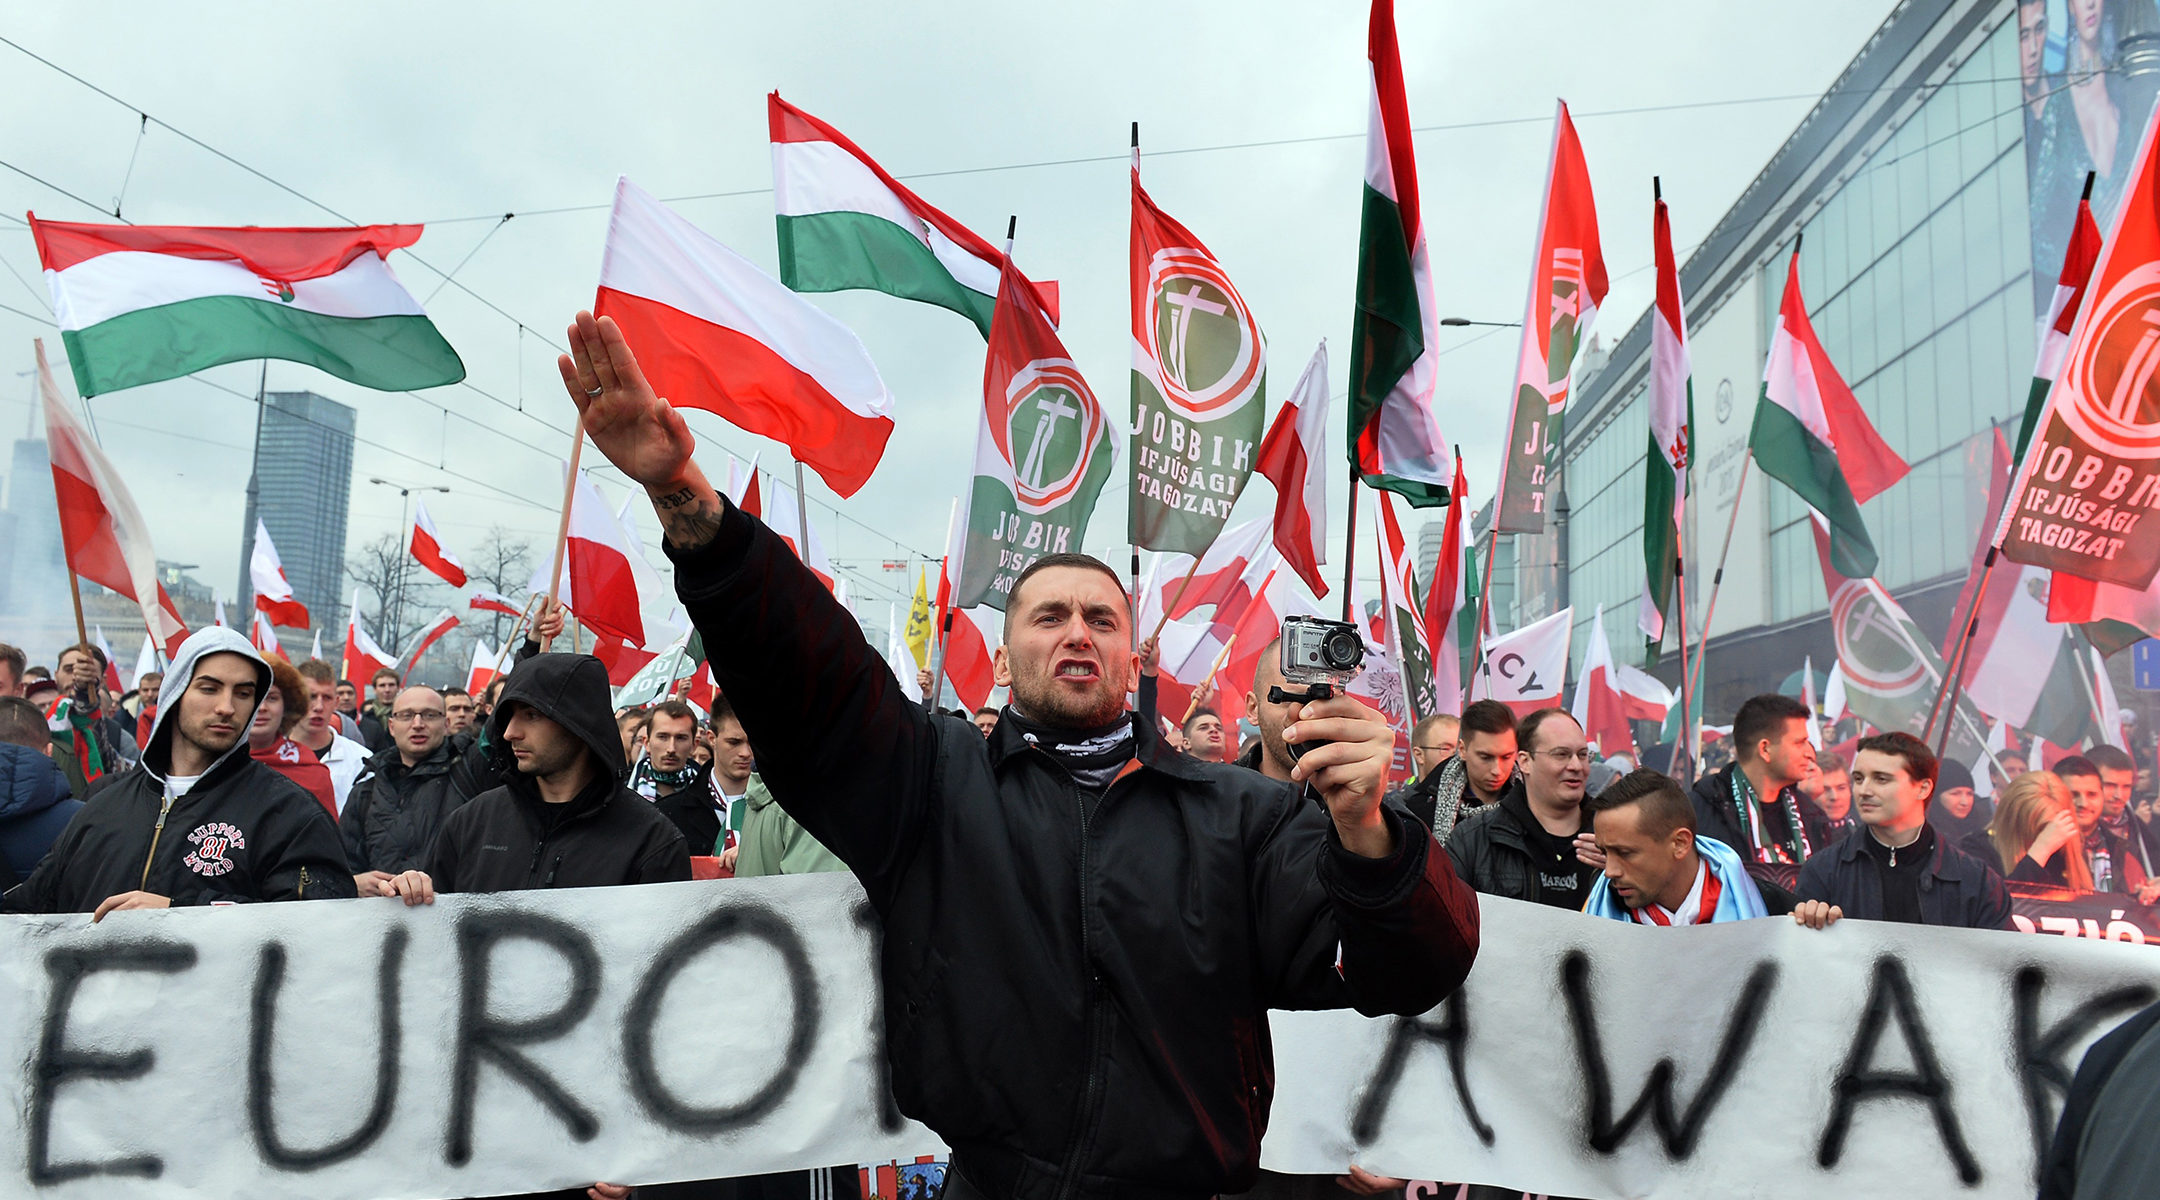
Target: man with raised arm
x,y
1083,932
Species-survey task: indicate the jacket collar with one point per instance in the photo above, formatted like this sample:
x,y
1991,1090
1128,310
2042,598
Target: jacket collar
x,y
1939,864
1149,748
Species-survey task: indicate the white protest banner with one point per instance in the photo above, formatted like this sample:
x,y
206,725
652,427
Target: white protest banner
x,y
488,1044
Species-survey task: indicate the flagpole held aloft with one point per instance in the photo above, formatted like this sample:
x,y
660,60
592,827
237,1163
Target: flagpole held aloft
x,y
1349,550
1132,492
562,528
1717,579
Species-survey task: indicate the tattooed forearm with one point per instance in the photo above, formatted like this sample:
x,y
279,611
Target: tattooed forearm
x,y
689,516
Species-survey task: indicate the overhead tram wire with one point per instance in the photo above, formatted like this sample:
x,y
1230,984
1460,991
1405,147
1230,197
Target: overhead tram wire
x,y
503,217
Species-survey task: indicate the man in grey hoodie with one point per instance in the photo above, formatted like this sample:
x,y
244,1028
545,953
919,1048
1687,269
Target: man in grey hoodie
x,y
200,822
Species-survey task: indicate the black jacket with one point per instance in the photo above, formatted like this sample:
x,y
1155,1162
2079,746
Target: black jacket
x,y
509,839
1490,847
2101,1141
393,811
1075,996
1956,889
1715,816
243,832
690,808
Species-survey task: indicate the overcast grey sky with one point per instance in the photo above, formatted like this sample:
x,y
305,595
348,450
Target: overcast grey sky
x,y
428,112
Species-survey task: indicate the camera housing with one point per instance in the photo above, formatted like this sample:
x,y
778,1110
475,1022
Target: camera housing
x,y
1320,652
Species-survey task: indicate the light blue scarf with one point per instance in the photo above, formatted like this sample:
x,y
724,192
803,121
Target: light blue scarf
x,y
1738,897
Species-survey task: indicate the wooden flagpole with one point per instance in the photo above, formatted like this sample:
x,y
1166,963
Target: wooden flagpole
x,y
1182,585
1207,685
562,528
1132,493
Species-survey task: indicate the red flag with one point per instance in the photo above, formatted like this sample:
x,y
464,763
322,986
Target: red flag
x,y
443,623
101,530
967,654
1445,599
622,660
363,658
264,637
598,583
273,594
494,602
426,545
1224,576
1288,454
483,670
743,489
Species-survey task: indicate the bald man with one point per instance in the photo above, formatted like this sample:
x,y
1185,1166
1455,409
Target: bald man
x,y
400,800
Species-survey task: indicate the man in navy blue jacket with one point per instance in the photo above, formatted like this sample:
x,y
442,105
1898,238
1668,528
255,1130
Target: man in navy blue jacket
x,y
1894,867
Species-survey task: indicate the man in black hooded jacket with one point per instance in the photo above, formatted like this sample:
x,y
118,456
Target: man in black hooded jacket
x,y
200,821
562,817
1083,931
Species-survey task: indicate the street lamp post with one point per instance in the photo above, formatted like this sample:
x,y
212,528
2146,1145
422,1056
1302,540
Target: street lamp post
x,y
394,610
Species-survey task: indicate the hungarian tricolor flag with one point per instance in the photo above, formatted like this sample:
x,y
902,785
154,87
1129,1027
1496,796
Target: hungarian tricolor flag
x,y
712,331
1042,452
1199,383
363,658
1672,426
1395,439
2063,307
141,303
1811,435
1567,283
101,530
426,545
845,224
273,594
1290,457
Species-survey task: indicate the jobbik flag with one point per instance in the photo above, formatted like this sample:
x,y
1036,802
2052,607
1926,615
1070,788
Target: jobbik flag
x,y
1395,439
1199,384
1672,424
2086,492
1043,449
1567,283
141,303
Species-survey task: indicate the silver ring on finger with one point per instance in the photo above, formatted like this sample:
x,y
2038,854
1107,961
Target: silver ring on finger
x,y
594,393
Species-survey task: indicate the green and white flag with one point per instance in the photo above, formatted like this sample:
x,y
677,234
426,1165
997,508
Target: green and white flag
x,y
1042,452
137,304
1199,385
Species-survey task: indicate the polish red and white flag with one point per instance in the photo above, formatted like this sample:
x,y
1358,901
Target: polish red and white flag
x,y
427,546
494,602
712,331
362,656
273,595
1290,457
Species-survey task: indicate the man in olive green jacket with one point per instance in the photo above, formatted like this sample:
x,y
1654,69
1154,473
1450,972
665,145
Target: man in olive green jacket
x,y
771,843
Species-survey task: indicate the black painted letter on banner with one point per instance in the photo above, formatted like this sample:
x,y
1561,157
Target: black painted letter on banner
x,y
482,1035
722,925
1405,1035
2041,1069
888,1108
1890,997
56,1063
262,1102
1679,1132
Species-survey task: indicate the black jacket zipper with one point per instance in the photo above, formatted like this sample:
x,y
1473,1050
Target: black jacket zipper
x,y
1083,1135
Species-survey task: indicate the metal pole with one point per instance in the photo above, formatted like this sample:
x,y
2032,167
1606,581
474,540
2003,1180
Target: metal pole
x,y
1955,669
1717,580
802,516
1349,552
1477,657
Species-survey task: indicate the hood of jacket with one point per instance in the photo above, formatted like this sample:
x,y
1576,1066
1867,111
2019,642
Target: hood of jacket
x,y
30,782
570,690
201,644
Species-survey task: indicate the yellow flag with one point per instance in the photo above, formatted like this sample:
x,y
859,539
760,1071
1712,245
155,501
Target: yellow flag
x,y
918,622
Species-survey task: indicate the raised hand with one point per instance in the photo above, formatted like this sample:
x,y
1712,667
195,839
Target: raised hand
x,y
637,430
1350,771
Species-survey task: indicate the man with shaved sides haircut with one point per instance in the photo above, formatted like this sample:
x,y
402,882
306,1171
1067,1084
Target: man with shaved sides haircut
x,y
1083,931
1658,869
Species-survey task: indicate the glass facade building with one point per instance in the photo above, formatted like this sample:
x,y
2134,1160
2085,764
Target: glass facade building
x,y
302,486
1906,186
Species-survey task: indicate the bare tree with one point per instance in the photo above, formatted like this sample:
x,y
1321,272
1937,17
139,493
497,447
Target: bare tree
x,y
403,592
501,563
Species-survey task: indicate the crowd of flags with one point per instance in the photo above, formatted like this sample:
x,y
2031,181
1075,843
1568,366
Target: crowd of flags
x,y
714,332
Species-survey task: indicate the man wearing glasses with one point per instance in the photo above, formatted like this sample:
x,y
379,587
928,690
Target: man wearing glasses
x,y
398,803
1536,844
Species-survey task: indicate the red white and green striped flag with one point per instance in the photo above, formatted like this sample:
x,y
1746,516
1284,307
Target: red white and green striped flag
x,y
844,224
1395,439
2077,269
1811,435
1672,429
141,303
